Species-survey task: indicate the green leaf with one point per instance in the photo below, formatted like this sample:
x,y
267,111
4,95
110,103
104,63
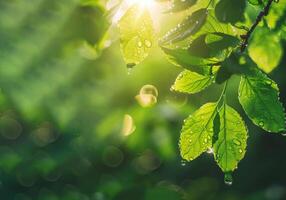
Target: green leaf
x,y
136,35
230,146
179,5
183,58
259,97
206,50
229,67
217,45
189,26
266,50
276,13
256,2
197,132
221,41
212,25
191,82
230,11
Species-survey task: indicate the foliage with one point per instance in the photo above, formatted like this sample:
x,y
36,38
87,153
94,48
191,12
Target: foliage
x,y
215,48
74,124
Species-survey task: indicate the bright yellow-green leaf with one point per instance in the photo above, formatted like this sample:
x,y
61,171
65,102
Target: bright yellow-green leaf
x,y
265,49
191,82
197,132
136,35
230,146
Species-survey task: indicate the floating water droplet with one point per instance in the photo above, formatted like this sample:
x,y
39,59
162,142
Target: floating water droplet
x,y
149,89
228,180
147,96
236,142
128,126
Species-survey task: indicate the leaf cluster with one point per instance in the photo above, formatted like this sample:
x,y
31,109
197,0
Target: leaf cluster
x,y
217,35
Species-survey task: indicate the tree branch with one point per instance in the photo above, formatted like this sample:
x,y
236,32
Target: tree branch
x,y
259,18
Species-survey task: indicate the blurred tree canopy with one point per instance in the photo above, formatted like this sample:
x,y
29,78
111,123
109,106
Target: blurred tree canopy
x,y
67,99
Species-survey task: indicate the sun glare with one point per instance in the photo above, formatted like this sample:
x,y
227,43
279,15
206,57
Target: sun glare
x,y
142,3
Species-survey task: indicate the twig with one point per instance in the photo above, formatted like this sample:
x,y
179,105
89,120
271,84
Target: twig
x,y
247,36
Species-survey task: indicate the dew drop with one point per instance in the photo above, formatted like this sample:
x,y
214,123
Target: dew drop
x,y
183,163
140,44
261,123
210,151
148,43
269,82
228,180
236,142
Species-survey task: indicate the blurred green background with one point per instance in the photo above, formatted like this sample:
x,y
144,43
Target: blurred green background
x,y
62,105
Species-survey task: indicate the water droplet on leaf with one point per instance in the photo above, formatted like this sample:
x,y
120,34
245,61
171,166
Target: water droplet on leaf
x,y
148,43
261,123
236,142
210,151
228,180
183,163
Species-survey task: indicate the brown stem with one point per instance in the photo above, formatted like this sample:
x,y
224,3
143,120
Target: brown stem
x,y
259,18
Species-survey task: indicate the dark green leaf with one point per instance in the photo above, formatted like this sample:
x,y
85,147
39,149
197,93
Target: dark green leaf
x,y
189,26
259,97
230,11
183,58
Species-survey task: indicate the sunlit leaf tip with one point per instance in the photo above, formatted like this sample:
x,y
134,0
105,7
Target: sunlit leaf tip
x,y
136,35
